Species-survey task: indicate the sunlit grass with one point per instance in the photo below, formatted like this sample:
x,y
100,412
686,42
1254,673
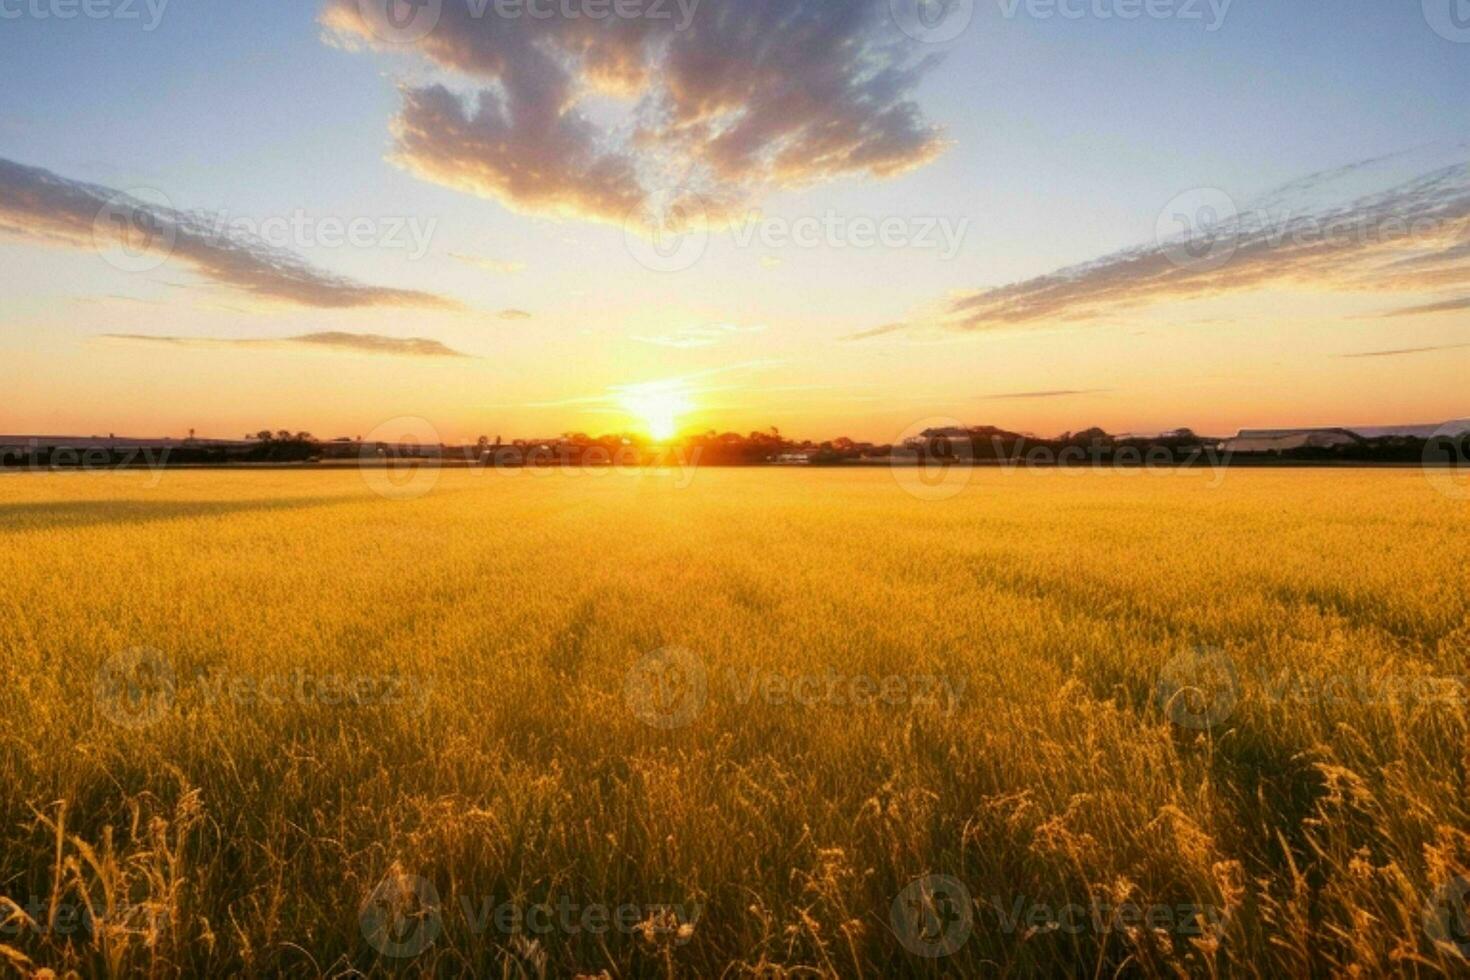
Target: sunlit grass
x,y
492,748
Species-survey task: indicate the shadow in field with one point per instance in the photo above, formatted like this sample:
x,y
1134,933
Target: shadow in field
x,y
52,515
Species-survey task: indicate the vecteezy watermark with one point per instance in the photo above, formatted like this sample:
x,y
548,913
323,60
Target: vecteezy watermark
x,y
1210,13
401,21
939,468
147,12
38,455
679,13
938,458
668,231
410,21
1447,459
1185,920
1447,916
932,21
135,688
302,230
139,687
1197,229
404,915
133,230
139,230
841,231
401,459
302,687
933,916
66,919
669,688
1200,689
1450,19
1202,229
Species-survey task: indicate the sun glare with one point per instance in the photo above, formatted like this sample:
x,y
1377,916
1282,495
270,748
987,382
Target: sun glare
x,y
658,406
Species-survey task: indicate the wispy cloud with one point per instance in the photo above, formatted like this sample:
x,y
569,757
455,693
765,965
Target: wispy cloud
x,y
361,343
500,266
1406,350
1060,393
740,96
40,205
688,338
1442,306
513,315
1409,234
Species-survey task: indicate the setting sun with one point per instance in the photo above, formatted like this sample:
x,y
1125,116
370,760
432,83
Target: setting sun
x,y
658,406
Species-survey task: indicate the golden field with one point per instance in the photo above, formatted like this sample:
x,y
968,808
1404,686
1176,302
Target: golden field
x,y
797,723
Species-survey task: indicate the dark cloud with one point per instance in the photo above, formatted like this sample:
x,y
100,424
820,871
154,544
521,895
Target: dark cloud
x,y
747,95
366,343
40,205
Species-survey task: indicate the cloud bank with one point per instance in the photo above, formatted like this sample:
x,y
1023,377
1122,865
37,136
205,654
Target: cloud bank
x,y
722,99
140,235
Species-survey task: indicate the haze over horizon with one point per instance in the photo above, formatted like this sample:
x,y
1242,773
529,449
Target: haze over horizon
x,y
824,216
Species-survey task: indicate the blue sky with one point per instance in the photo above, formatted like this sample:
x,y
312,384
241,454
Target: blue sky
x,y
1062,141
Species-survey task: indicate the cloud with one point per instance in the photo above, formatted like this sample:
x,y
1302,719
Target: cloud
x,y
40,205
364,343
1406,350
886,328
1060,393
1443,306
688,338
513,315
722,101
1336,230
500,266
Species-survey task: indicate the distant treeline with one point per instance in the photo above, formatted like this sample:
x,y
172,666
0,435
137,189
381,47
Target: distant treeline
x,y
980,444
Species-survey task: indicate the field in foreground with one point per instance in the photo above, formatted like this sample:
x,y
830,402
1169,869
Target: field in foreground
x,y
768,721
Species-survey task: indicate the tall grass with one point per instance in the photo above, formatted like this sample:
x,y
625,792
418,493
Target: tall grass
x,y
248,814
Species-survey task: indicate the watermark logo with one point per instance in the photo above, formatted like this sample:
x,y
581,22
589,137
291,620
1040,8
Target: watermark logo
x,y
1126,10
1447,916
1199,688
933,916
392,458
131,231
668,232
667,689
934,459
1447,459
942,235
401,21
1198,230
1450,19
932,21
135,688
121,10
402,916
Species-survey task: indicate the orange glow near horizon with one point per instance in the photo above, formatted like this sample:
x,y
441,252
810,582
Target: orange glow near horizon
x,y
658,406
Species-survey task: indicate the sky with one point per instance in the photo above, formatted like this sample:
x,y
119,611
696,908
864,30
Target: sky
x,y
838,217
